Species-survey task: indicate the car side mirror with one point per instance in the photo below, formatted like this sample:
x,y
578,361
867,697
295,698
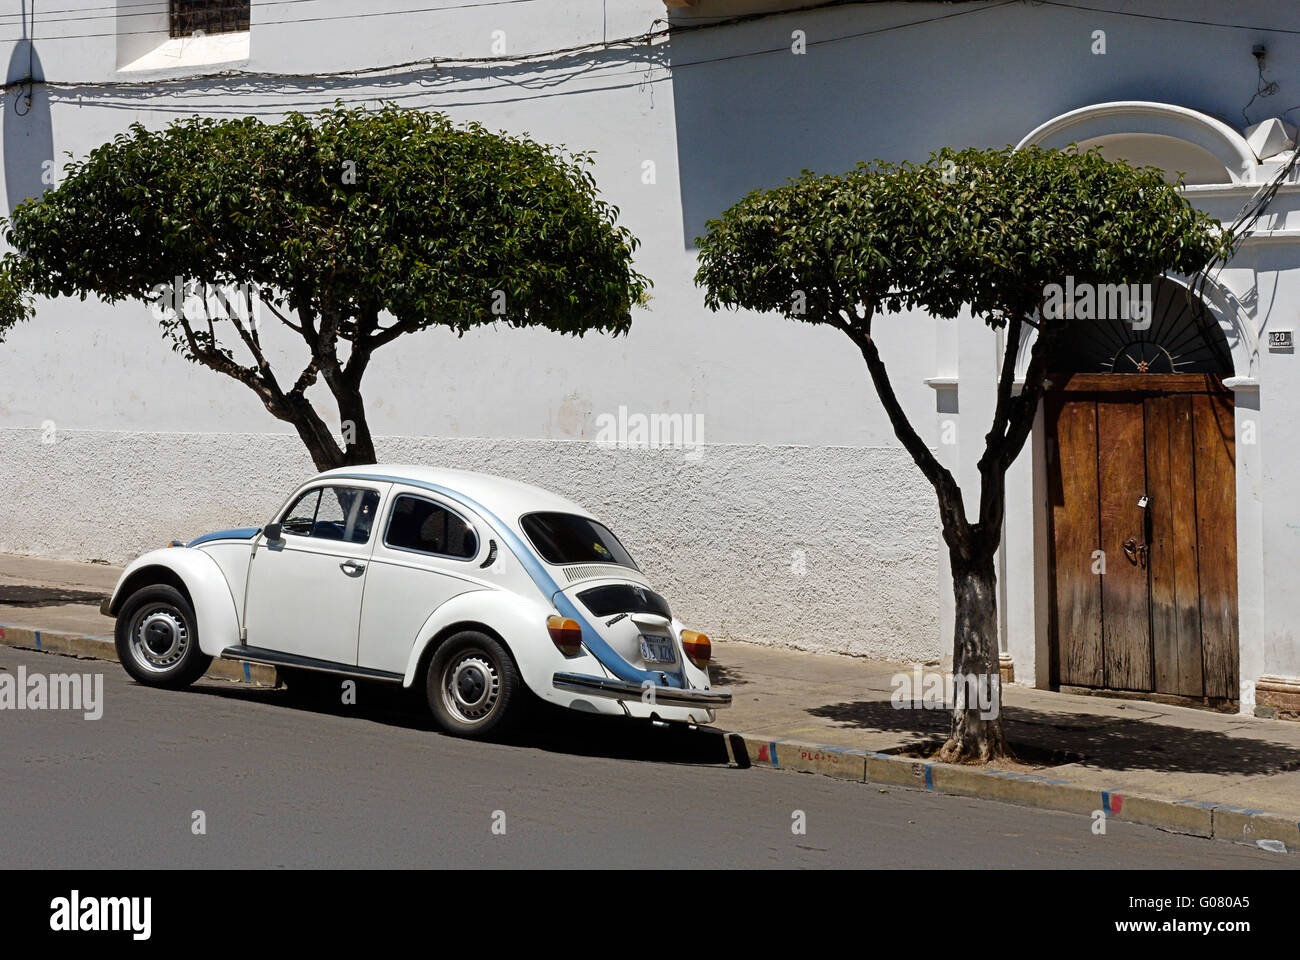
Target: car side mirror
x,y
271,531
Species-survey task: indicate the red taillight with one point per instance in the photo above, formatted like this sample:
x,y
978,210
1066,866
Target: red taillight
x,y
565,634
697,648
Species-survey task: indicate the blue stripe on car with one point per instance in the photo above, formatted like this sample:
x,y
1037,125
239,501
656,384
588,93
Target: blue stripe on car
x,y
243,533
595,643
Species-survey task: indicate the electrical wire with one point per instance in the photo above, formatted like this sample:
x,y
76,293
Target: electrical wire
x,y
643,39
1240,229
1167,18
27,84
154,11
648,37
1061,4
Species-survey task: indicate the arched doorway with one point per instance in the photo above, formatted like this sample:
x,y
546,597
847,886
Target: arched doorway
x,y
1141,467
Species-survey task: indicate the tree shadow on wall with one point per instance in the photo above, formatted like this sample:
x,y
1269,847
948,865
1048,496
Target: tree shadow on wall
x,y
28,131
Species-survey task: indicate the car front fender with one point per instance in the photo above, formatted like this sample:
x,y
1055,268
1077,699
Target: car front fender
x,y
214,604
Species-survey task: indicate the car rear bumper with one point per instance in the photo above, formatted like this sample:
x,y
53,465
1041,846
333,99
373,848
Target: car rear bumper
x,y
622,690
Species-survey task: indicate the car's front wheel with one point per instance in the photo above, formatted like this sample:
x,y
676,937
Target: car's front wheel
x,y
473,685
157,638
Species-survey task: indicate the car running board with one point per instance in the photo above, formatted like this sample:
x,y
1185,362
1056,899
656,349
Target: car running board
x,y
275,658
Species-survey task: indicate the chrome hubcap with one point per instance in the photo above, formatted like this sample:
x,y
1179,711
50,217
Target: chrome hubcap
x,y
159,638
470,686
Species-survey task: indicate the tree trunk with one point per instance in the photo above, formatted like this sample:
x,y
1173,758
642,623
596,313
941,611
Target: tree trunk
x,y
326,453
323,450
976,732
358,446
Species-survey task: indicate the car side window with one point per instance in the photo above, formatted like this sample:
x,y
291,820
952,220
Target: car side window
x,y
333,513
424,526
301,515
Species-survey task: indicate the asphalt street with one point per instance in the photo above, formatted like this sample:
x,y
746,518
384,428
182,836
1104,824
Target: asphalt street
x,y
290,780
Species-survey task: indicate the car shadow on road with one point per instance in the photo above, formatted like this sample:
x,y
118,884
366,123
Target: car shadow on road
x,y
543,727
1112,743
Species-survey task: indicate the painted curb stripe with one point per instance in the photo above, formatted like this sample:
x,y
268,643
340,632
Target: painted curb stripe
x,y
15,635
766,750
1112,801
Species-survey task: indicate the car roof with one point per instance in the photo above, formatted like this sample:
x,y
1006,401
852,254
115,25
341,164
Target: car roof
x,y
508,499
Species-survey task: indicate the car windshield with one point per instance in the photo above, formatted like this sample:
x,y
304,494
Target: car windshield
x,y
563,538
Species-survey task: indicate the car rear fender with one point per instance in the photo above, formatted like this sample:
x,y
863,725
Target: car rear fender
x,y
520,623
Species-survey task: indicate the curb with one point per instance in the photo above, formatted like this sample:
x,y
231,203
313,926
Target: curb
x,y
1220,821
90,647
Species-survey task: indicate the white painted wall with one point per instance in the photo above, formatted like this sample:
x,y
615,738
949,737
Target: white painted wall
x,y
800,458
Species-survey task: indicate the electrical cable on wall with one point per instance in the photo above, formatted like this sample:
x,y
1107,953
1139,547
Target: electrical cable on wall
x,y
647,38
720,21
1262,88
27,84
1241,228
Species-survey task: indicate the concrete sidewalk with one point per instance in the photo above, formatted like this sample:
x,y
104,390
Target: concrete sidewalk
x,y
1183,769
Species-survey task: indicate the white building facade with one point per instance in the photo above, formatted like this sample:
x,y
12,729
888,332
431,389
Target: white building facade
x,y
783,510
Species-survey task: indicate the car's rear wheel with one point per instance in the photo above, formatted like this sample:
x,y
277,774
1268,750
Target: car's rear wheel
x,y
473,685
157,638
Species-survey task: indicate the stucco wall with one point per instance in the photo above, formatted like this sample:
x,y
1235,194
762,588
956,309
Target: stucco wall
x,y
825,548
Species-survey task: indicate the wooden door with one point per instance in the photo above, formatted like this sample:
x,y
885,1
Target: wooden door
x,y
1142,492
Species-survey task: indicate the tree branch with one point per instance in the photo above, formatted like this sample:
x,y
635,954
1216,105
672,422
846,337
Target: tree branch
x,y
951,509
383,335
992,484
282,318
293,409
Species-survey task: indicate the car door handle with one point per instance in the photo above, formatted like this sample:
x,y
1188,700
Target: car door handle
x,y
351,567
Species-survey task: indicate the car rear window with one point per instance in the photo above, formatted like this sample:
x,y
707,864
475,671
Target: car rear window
x,y
563,538
623,598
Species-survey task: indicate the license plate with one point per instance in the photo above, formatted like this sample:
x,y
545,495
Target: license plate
x,y
657,649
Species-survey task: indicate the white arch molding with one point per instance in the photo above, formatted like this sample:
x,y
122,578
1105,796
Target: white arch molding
x,y
1175,133
1161,125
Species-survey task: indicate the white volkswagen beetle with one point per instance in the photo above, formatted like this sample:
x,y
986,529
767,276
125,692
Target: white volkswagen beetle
x,y
472,585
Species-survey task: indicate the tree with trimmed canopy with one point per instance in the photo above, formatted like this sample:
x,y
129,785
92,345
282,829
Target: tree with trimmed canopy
x,y
351,227
986,231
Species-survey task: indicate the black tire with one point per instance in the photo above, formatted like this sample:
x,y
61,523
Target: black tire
x,y
473,686
157,638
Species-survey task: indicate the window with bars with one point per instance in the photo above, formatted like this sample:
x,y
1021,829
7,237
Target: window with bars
x,y
190,17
